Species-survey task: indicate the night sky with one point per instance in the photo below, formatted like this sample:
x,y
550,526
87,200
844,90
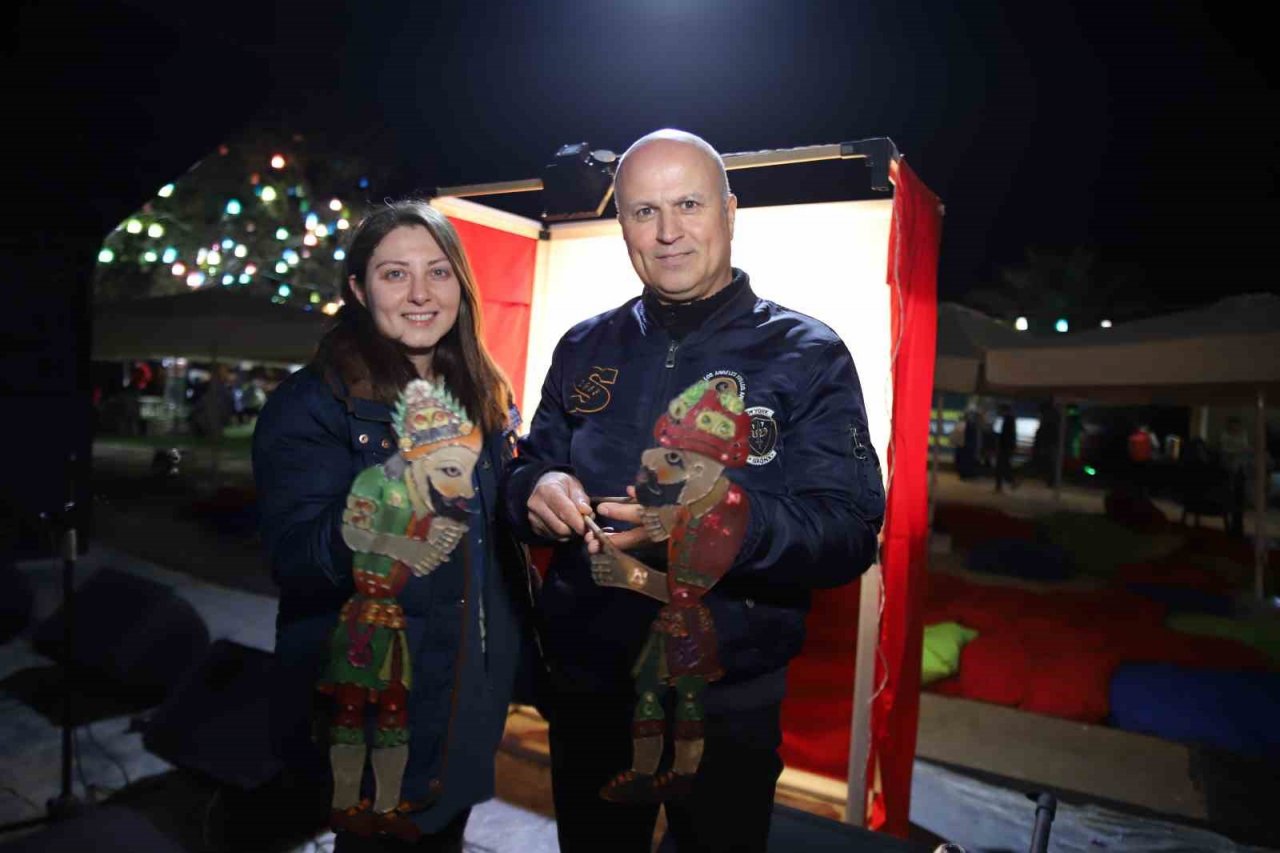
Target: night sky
x,y
1145,131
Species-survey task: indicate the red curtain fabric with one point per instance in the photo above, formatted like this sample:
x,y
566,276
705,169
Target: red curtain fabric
x,y
913,265
503,264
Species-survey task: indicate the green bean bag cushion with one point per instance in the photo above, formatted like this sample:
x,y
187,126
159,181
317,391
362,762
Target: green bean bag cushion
x,y
942,645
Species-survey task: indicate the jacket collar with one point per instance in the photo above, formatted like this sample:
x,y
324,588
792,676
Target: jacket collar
x,y
740,303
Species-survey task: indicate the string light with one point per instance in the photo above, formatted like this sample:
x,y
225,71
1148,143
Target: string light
x,y
1020,324
228,279
170,255
165,191
1106,324
241,250
322,230
282,233
284,290
195,279
179,269
268,193
133,226
233,207
277,161
215,258
245,278
335,205
331,308
106,256
251,269
150,256
339,254
1061,325
343,224
155,230
282,267
309,240
312,221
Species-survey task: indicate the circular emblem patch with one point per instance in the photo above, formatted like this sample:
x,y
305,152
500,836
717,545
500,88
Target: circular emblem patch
x,y
763,442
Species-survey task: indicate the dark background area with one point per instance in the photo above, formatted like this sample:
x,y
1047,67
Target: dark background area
x,y
1143,131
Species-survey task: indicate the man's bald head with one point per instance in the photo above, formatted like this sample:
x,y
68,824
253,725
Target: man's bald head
x,y
672,135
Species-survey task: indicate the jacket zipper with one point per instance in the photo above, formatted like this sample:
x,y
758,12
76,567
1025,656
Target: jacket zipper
x,y
671,354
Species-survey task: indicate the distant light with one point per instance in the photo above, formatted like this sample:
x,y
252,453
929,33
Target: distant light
x,y
315,298
284,290
290,255
331,308
106,256
282,267
215,258
251,269
310,240
268,193
227,243
150,256
179,269
322,230
165,191
335,205
245,278
364,183
312,221
228,278
233,207
277,161
241,250
202,255
282,233
170,255
1020,324
195,279
1090,470
343,224
133,226
339,254
293,259
1061,324
155,231
1106,324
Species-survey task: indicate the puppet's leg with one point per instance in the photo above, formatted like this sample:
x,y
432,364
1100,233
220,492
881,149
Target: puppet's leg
x,y
688,738
391,741
347,749
647,724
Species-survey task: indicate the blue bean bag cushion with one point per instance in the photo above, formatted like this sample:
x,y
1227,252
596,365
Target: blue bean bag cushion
x,y
1020,559
1236,711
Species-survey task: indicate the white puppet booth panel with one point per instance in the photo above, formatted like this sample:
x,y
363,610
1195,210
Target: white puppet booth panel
x,y
841,263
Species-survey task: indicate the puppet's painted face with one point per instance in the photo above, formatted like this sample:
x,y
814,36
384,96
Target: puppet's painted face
x,y
446,475
671,476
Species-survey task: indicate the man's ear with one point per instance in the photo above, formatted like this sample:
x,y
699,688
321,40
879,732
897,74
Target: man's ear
x,y
358,290
730,210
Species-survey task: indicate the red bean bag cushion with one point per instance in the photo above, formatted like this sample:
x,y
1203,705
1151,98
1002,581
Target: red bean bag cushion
x,y
995,668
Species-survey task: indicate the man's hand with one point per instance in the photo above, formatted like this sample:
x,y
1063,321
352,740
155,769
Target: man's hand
x,y
557,506
651,524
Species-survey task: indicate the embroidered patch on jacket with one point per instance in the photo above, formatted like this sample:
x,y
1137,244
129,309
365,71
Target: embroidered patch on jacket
x,y
763,441
728,382
591,395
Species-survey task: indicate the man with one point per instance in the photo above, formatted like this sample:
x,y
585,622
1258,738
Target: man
x,y
1004,449
812,483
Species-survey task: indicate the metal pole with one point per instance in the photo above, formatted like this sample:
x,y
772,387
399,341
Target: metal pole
x,y
864,675
1260,497
1061,409
935,452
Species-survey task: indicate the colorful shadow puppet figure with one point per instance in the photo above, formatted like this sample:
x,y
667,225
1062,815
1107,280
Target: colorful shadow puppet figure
x,y
403,519
703,517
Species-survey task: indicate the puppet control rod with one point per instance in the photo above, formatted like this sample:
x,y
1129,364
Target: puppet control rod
x,y
878,152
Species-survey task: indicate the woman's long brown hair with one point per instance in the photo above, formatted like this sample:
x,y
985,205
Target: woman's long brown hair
x,y
372,366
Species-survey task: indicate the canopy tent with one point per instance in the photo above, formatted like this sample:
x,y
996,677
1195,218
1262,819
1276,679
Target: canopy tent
x,y
830,260
212,323
964,336
1221,352
1228,351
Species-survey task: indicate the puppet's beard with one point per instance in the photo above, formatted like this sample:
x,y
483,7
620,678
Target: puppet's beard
x,y
649,492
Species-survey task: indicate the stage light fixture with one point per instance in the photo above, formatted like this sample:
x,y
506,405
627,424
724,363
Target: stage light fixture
x,y
577,183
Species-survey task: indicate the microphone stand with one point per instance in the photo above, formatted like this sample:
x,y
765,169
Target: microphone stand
x,y
66,803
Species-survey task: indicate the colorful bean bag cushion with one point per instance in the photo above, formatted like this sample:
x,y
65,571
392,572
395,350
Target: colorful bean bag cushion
x,y
1259,634
1229,710
942,646
1020,559
1099,546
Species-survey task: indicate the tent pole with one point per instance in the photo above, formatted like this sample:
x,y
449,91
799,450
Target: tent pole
x,y
935,451
1260,497
864,674
1061,449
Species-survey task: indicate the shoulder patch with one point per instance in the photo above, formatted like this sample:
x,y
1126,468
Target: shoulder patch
x,y
763,442
728,382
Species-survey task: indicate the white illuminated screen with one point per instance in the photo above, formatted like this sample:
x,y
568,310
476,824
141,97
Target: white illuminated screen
x,y
825,260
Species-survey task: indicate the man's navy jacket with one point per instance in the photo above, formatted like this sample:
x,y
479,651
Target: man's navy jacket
x,y
813,480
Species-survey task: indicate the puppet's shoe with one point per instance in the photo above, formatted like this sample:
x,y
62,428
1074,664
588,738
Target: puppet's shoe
x,y
357,819
672,785
630,786
397,823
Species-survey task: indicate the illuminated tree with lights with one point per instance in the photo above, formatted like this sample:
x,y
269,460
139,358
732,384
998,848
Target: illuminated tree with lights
x,y
266,213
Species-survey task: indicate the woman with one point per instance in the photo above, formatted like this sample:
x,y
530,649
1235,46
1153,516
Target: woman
x,y
411,312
